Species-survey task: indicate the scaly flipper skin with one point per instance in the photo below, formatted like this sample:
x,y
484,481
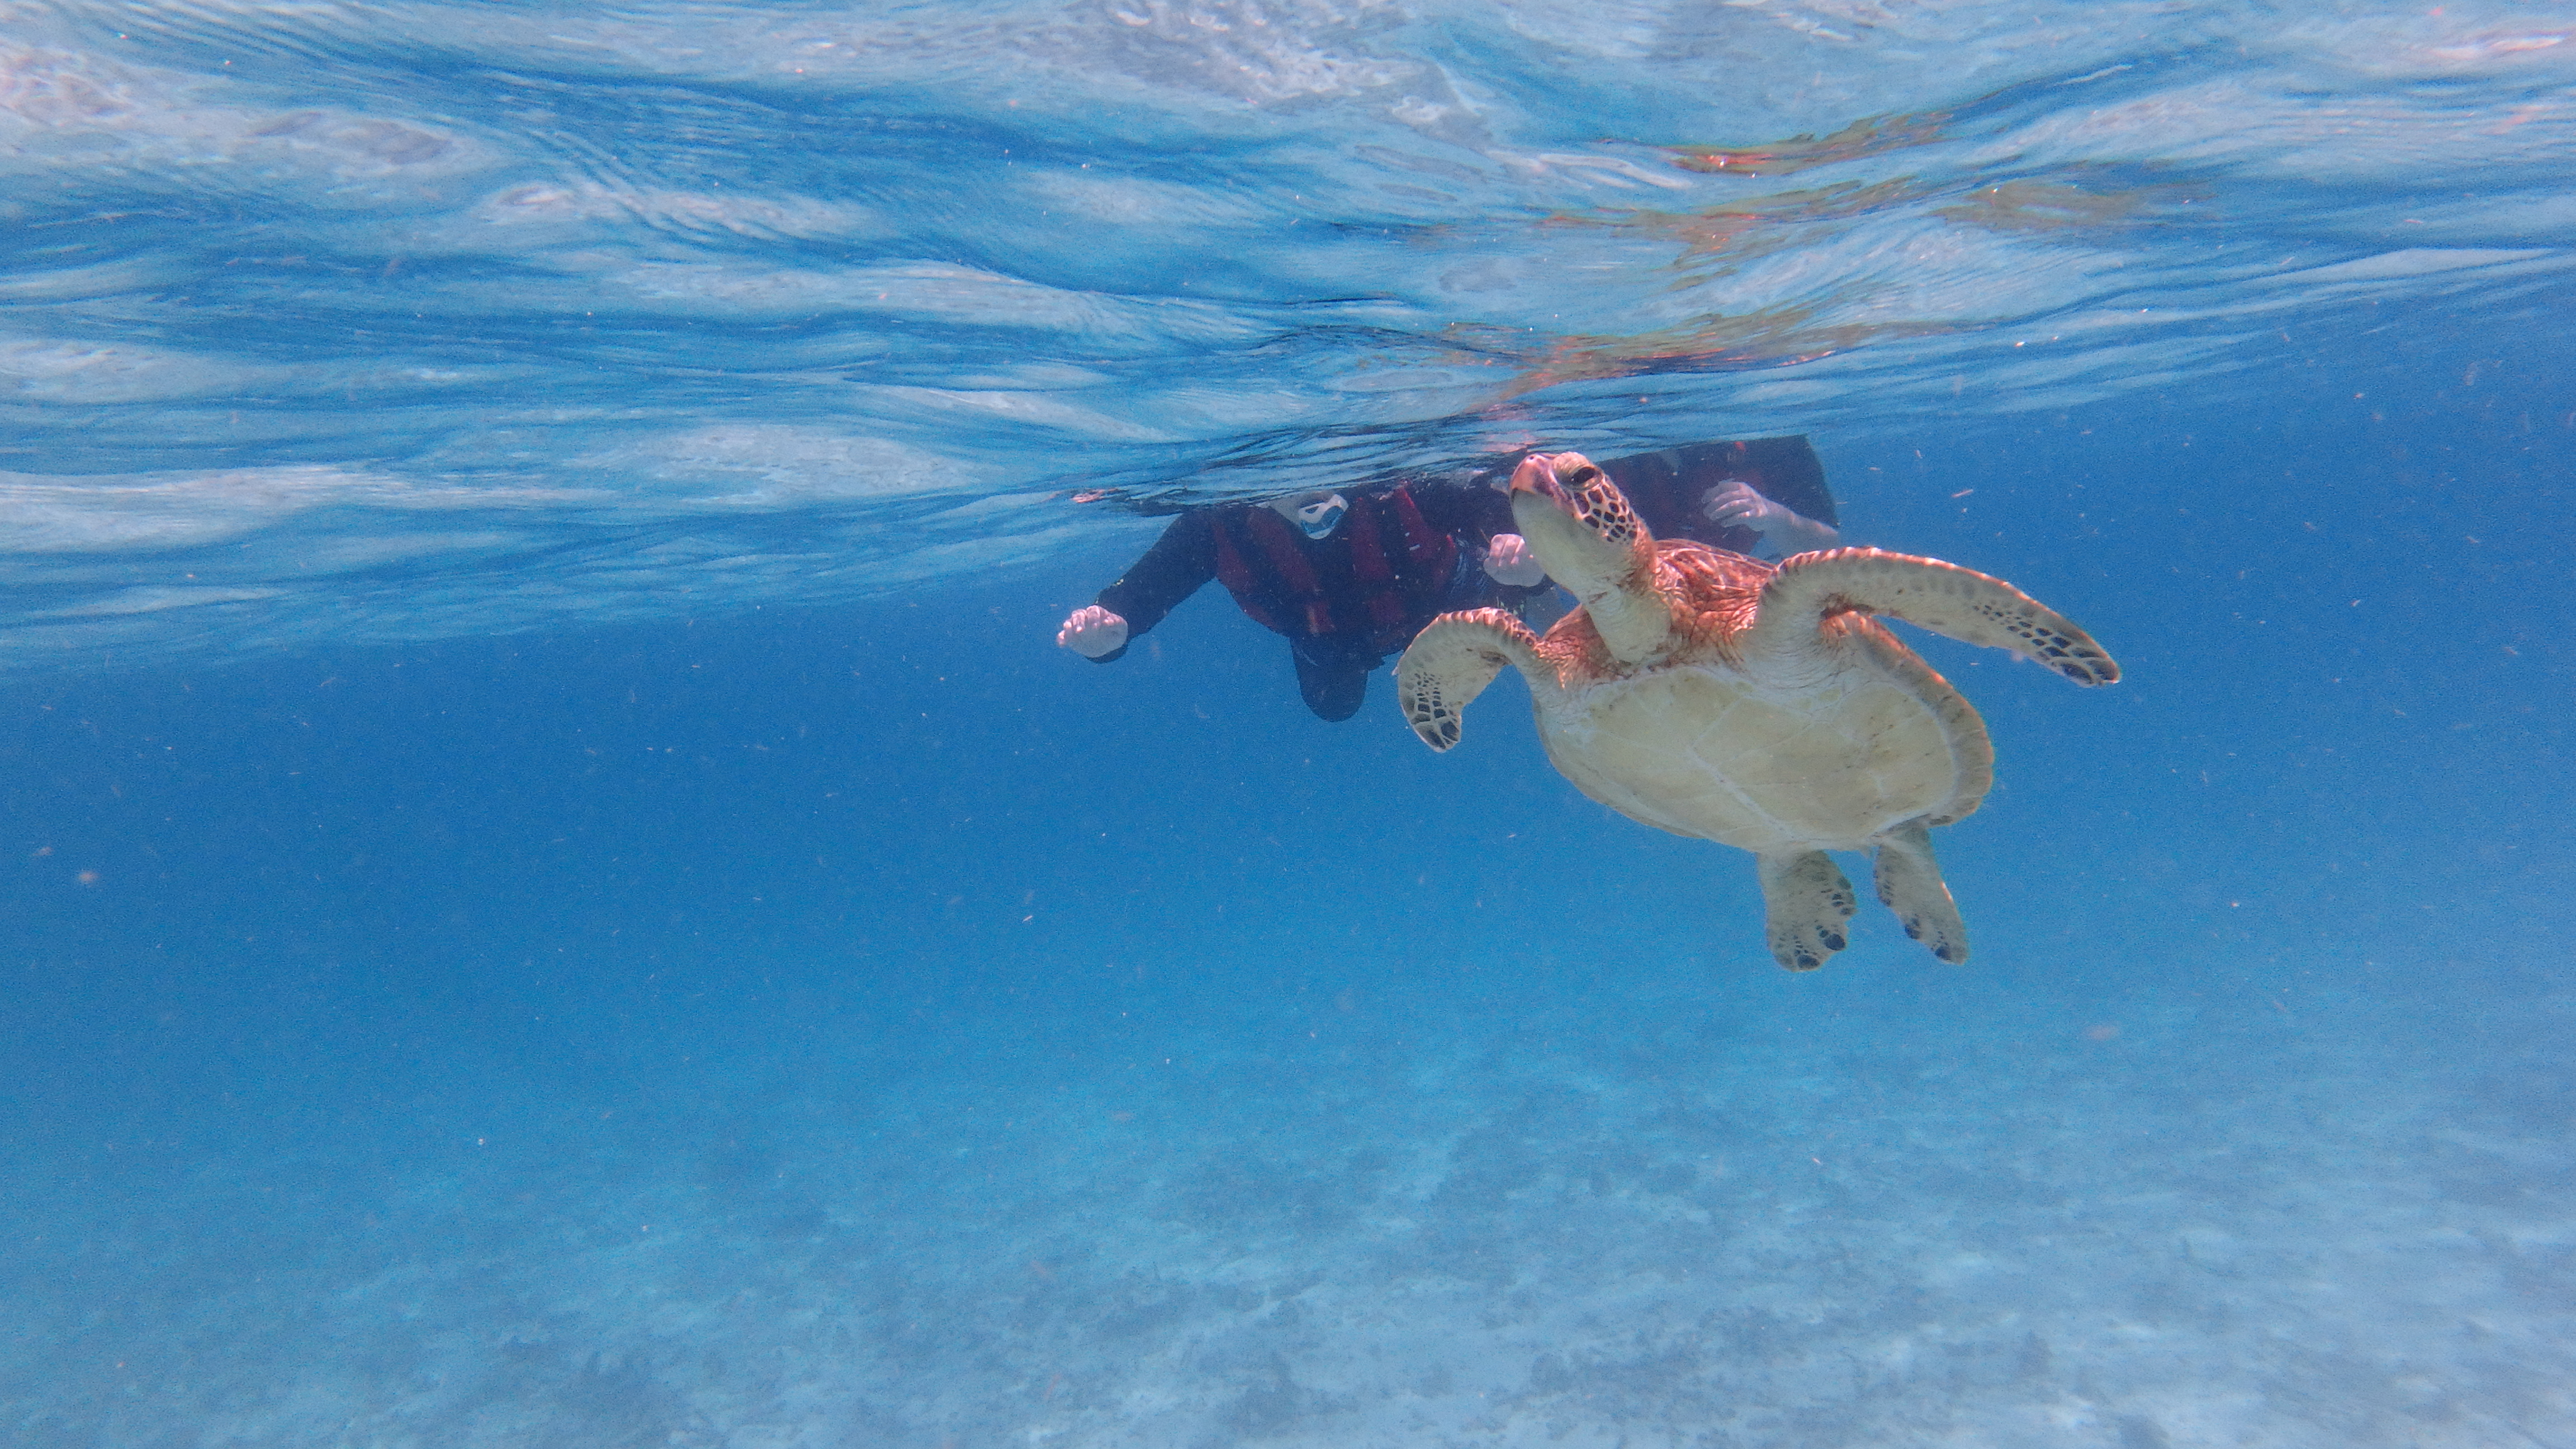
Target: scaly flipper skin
x,y
1805,898
1944,598
1910,884
1452,660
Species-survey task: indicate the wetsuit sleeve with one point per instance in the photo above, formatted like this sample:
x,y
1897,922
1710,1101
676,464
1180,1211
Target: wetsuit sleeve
x,y
1470,513
1173,569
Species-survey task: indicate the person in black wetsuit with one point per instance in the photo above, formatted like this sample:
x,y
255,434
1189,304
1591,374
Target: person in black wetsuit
x,y
1348,577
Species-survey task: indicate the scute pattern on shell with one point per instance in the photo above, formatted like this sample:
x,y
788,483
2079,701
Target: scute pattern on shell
x,y
1712,596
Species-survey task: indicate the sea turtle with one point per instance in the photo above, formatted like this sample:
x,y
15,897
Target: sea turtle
x,y
1714,695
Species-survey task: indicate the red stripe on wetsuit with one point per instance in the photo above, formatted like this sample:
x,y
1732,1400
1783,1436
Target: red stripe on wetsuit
x,y
1384,577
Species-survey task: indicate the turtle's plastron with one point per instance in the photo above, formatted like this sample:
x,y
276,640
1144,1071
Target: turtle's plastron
x,y
1713,695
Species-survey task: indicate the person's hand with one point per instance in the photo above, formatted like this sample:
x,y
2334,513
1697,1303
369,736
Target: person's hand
x,y
1508,560
1092,631
1786,530
1734,504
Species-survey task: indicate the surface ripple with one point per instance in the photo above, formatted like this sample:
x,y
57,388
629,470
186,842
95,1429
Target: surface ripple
x,y
332,322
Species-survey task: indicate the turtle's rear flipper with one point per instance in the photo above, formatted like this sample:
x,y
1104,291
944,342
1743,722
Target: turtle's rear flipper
x,y
1910,884
1941,597
1806,898
1451,661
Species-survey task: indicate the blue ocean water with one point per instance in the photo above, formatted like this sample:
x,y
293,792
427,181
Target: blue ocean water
x,y
561,894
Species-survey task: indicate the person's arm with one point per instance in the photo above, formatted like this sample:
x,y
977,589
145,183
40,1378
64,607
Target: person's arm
x,y
1735,504
1788,472
1173,569
1772,486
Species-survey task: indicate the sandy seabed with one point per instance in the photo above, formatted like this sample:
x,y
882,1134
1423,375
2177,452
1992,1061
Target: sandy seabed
x,y
1614,1222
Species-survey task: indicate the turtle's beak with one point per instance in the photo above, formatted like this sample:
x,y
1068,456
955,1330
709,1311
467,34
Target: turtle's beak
x,y
1537,474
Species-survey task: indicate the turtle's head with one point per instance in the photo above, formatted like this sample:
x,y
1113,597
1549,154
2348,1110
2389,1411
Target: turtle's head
x,y
1580,526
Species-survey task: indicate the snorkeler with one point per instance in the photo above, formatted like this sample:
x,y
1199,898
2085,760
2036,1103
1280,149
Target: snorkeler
x,y
1351,577
1348,577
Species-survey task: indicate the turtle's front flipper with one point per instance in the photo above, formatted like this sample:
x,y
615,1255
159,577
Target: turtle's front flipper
x,y
1806,898
1910,884
1941,597
1451,661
